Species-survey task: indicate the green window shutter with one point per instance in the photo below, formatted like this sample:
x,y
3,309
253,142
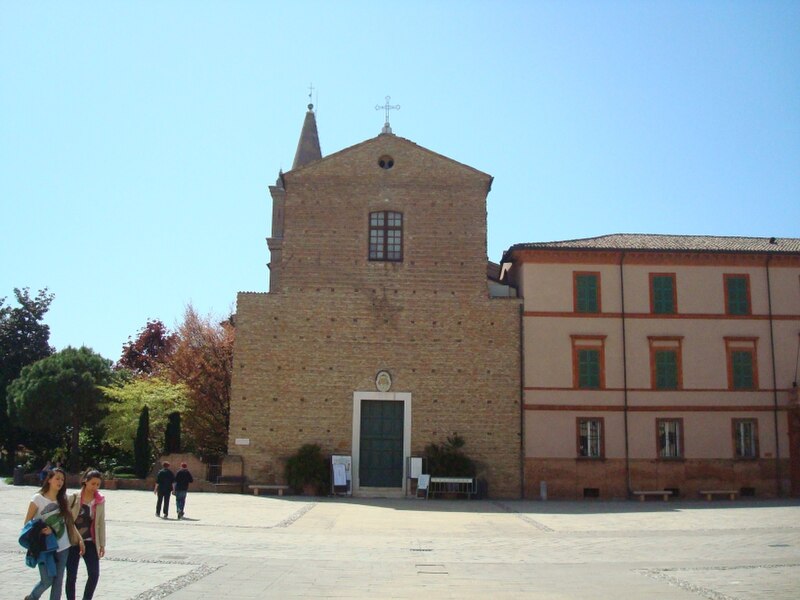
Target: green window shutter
x,y
663,295
587,293
736,288
666,369
742,365
589,369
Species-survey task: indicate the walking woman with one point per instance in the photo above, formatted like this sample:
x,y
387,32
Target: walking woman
x,y
50,505
88,508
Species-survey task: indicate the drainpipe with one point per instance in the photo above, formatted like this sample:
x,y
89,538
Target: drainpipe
x,y
778,474
521,400
625,376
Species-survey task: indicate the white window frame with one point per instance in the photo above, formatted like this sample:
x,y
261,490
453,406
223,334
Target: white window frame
x,y
590,428
666,428
744,447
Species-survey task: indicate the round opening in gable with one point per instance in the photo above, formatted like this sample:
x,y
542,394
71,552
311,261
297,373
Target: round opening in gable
x,y
385,162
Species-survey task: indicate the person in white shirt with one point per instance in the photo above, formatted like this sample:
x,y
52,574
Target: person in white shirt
x,y
50,505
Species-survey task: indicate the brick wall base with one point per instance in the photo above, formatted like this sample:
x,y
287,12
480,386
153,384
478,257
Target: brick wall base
x,y
567,479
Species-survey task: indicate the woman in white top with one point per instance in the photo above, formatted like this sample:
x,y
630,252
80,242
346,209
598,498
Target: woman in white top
x,y
50,505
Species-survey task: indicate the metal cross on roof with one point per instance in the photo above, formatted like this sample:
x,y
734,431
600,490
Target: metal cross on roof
x,y
310,91
387,107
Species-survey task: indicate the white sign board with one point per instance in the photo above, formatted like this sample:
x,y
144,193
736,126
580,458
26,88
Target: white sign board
x,y
414,467
341,474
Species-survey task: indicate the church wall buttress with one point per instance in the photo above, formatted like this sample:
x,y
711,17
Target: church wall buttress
x,y
275,242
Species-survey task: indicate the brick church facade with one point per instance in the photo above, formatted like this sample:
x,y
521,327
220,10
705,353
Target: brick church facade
x,y
378,264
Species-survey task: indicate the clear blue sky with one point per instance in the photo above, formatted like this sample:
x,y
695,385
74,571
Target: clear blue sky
x,y
138,139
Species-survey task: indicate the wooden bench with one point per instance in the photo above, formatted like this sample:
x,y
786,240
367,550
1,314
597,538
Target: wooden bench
x,y
257,487
665,494
710,493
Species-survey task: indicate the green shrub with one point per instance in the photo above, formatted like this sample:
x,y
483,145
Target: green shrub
x,y
448,459
307,467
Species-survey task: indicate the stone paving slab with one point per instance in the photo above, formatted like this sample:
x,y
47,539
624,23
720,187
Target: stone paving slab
x,y
760,582
140,577
242,546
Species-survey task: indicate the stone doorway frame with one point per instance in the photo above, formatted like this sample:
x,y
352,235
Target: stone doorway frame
x,y
405,398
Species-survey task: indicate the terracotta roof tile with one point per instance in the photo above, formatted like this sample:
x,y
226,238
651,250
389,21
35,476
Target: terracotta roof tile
x,y
670,243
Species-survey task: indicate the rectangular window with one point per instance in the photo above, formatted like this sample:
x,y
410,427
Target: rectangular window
x,y
666,366
742,364
737,294
670,438
745,438
663,295
586,292
386,236
742,369
590,437
588,361
589,369
666,372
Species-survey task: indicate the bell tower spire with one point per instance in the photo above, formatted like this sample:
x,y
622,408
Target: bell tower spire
x,y
308,147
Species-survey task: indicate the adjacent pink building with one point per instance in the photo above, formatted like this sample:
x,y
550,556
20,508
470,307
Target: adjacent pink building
x,y
659,362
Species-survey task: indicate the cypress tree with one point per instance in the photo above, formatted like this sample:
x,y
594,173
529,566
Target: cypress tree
x,y
172,434
141,445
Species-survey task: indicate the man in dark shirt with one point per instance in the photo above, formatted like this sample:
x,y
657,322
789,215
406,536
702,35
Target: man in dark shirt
x,y
164,480
182,480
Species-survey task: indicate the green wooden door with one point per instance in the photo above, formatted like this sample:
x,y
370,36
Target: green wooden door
x,y
381,450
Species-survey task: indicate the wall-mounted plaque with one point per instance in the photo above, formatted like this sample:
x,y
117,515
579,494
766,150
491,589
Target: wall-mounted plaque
x,y
383,381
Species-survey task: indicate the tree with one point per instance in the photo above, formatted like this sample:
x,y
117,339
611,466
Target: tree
x,y
151,347
24,339
172,434
202,360
125,402
141,445
61,393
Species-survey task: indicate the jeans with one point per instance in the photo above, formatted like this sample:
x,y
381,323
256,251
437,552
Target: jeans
x,y
180,500
54,583
92,562
165,497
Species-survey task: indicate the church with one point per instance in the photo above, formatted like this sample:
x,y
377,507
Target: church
x,y
588,368
384,328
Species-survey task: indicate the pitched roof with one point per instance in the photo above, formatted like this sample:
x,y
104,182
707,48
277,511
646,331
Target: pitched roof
x,y
402,140
648,242
308,147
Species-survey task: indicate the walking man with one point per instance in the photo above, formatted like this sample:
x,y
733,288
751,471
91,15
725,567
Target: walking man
x,y
182,480
164,480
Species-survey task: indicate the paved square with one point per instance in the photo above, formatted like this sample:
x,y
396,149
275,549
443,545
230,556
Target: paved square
x,y
241,546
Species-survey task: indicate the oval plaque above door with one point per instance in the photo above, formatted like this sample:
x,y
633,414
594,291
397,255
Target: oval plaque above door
x,y
383,381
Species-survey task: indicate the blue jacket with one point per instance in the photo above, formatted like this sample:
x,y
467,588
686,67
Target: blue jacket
x,y
41,548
